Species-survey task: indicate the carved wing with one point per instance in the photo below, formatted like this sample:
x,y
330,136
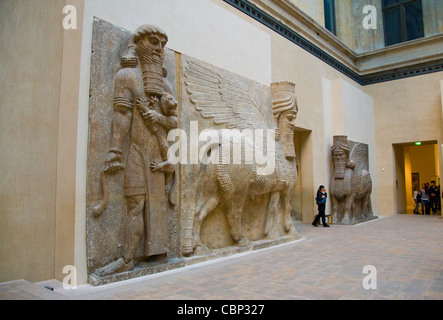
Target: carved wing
x,y
224,100
360,155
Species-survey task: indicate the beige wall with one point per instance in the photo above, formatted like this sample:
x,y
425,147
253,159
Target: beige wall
x,y
344,22
41,98
314,8
31,50
67,192
423,160
406,110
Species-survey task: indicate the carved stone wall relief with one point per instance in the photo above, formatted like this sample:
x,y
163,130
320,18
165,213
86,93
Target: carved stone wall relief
x,y
231,204
148,213
131,198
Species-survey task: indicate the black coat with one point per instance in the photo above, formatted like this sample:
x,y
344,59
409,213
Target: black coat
x,y
321,202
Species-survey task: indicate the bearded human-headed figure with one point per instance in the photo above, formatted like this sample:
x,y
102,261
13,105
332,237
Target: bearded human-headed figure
x,y
144,110
139,82
351,183
149,43
340,156
285,109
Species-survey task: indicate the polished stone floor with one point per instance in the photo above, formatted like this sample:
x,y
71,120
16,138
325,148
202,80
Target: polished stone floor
x,y
405,250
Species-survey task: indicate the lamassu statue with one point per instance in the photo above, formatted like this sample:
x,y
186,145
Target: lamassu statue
x,y
351,183
224,100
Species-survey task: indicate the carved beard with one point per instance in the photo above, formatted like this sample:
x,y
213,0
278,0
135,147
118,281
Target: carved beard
x,y
340,168
152,70
287,138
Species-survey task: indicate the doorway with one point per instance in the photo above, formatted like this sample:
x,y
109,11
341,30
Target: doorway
x,y
302,204
416,163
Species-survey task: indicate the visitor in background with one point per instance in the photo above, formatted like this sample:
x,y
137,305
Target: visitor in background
x,y
417,200
428,208
433,195
438,198
320,199
424,198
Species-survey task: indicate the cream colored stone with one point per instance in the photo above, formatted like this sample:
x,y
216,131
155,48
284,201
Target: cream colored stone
x,y
31,43
432,17
65,244
344,22
418,51
314,8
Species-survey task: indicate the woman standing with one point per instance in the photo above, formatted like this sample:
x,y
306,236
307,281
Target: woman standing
x,y
417,200
321,202
424,198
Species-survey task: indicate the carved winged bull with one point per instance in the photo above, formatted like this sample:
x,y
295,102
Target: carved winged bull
x,y
351,183
230,103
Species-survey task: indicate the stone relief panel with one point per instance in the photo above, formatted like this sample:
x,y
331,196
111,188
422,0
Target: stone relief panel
x,y
186,161
131,198
351,183
230,203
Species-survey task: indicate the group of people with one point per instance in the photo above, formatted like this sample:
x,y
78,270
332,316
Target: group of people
x,y
429,197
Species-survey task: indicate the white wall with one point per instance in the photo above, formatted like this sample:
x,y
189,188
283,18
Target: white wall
x,y
327,116
199,28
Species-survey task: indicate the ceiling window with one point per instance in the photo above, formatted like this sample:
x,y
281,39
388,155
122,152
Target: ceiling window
x,y
329,6
403,20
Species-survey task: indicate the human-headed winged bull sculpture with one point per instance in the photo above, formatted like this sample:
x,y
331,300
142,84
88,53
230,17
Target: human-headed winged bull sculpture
x,y
351,183
225,183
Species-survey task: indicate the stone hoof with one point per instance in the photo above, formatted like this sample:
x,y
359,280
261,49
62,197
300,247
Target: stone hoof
x,y
291,230
201,250
244,242
345,220
116,266
271,236
288,226
187,251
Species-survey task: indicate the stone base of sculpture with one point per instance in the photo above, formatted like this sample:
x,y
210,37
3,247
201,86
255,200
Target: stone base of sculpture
x,y
352,222
145,268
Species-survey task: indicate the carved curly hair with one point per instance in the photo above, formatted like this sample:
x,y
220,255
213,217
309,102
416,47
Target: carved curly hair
x,y
147,30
